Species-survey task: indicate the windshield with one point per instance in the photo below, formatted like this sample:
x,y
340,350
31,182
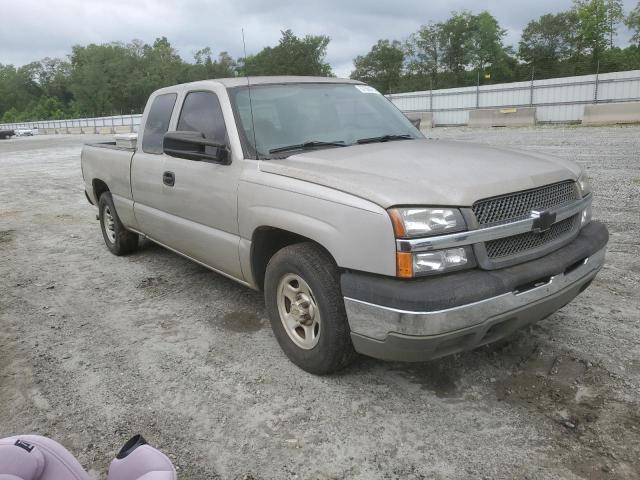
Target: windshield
x,y
303,116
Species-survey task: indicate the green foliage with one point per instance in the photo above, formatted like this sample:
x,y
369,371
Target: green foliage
x,y
117,78
99,80
467,49
381,67
292,56
597,24
550,39
463,50
424,51
205,67
486,41
633,23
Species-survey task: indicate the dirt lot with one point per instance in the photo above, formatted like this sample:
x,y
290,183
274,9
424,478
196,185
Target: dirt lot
x,y
95,348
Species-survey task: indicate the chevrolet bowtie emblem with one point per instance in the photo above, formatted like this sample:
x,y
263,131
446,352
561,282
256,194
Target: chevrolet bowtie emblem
x,y
542,220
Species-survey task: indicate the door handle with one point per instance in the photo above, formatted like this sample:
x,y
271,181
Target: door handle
x,y
169,178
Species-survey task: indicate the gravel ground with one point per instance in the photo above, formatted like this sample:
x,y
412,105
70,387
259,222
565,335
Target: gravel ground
x,y
95,348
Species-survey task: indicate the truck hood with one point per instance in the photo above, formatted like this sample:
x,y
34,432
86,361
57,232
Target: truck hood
x,y
423,172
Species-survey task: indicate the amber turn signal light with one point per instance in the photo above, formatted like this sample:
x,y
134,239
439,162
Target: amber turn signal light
x,y
398,224
404,265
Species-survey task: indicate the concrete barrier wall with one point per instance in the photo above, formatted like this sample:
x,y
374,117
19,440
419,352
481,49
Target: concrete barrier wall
x,y
74,130
503,117
122,129
104,130
607,113
425,119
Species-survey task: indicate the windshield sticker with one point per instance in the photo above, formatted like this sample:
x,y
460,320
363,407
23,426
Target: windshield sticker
x,y
367,89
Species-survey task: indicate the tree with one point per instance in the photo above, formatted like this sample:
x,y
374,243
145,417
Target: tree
x,y
381,67
486,37
52,76
597,22
100,77
423,52
615,15
292,56
456,41
549,40
473,43
17,88
116,78
205,67
633,23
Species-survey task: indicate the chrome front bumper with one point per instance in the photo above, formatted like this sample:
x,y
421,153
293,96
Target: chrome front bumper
x,y
376,323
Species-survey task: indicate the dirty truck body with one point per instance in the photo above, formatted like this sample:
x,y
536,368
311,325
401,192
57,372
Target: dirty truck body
x,y
364,235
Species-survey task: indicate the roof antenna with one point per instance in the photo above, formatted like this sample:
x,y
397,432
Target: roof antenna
x,y
246,72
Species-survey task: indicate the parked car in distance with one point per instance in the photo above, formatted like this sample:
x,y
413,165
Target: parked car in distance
x,y
363,235
25,132
4,134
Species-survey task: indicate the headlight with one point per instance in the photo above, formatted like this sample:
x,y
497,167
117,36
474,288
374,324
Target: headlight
x,y
423,222
584,185
437,261
586,216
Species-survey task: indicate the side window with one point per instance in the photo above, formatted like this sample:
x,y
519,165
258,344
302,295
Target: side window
x,y
158,122
201,112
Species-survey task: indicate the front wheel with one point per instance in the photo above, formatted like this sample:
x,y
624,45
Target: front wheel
x,y
306,308
118,239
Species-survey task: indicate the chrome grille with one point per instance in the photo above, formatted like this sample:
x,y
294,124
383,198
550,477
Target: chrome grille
x,y
508,246
516,206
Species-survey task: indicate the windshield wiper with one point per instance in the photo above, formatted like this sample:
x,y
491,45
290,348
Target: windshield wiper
x,y
385,138
310,144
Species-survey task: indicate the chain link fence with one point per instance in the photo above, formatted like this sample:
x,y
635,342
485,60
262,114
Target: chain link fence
x,y
555,100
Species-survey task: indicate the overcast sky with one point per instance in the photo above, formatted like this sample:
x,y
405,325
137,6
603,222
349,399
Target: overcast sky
x,y
34,29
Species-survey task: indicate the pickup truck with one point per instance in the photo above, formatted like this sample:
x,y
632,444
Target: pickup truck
x,y
363,235
4,134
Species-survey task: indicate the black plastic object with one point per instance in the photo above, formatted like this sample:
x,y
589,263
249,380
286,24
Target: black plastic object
x,y
135,442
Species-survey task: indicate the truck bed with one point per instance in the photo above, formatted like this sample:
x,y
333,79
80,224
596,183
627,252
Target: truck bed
x,y
111,164
110,146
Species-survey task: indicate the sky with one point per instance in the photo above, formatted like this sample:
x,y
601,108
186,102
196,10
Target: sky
x,y
33,29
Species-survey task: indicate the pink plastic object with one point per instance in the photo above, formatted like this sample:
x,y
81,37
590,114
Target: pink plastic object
x,y
31,457
139,461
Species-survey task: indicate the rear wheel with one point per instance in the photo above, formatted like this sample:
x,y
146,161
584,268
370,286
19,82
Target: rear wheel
x,y
306,308
118,239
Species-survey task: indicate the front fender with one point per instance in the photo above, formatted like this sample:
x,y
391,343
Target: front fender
x,y
357,233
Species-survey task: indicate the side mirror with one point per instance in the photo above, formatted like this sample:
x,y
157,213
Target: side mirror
x,y
193,146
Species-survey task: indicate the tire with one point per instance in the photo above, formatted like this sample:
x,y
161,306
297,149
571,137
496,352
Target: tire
x,y
118,239
314,283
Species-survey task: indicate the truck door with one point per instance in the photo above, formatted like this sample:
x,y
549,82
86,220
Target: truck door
x,y
199,197
147,167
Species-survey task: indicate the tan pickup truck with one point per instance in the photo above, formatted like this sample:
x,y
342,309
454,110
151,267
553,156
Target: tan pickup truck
x,y
364,236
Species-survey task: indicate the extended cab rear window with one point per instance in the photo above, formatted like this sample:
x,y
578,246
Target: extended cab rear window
x,y
158,122
201,112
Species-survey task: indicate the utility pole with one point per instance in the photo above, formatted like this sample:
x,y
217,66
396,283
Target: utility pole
x,y
431,95
531,92
595,89
478,91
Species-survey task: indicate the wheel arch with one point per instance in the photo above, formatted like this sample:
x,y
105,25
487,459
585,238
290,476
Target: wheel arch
x,y
99,187
266,241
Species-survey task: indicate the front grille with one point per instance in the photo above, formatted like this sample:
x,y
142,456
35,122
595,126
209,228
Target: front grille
x,y
516,206
509,246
